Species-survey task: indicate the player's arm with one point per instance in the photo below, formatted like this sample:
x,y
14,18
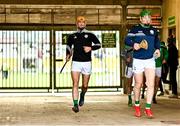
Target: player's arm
x,y
69,48
96,44
156,42
157,46
129,39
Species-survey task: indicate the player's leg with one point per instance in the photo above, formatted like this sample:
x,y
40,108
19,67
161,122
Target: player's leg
x,y
86,72
85,81
129,91
150,79
156,86
143,86
161,87
138,68
137,91
75,93
129,78
75,74
149,72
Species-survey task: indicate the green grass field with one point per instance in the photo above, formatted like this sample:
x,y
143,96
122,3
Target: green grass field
x,y
105,72
42,80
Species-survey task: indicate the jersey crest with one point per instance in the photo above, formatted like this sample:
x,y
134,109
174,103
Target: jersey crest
x,y
85,36
152,32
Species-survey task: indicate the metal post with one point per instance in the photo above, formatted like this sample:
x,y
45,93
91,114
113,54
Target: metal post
x,y
122,36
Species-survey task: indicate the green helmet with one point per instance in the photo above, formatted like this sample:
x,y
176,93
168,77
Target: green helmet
x,y
145,12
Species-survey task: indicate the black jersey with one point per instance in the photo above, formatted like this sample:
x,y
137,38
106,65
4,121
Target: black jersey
x,y
80,39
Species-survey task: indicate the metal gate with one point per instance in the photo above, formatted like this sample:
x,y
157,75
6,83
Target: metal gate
x,y
32,59
105,62
24,59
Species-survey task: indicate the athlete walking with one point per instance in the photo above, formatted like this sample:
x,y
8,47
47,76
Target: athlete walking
x,y
143,59
83,43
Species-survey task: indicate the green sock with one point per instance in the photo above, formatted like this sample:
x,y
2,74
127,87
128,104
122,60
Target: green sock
x,y
75,102
137,103
148,106
129,96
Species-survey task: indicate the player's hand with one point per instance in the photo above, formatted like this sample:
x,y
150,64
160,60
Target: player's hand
x,y
157,53
136,46
68,57
164,61
128,60
87,49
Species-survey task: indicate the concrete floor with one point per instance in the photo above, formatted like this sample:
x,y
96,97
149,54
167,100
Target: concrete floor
x,y
101,110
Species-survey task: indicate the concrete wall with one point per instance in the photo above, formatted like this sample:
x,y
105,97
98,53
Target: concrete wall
x,y
171,8
178,37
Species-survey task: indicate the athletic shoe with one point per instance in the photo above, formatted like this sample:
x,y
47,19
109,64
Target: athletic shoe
x,y
75,108
130,103
148,113
161,94
81,101
137,111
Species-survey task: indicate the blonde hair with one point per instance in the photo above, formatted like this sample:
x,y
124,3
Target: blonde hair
x,y
81,19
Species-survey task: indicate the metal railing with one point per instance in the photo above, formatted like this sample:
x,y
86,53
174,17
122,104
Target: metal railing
x,y
28,60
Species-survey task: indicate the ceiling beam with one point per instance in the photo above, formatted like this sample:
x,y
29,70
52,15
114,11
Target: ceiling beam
x,y
144,2
82,2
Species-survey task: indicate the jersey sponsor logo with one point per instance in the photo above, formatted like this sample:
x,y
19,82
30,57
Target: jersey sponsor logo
x,y
152,32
